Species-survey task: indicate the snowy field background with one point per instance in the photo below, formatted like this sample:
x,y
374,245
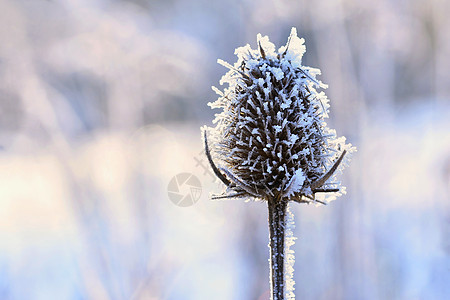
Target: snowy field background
x,y
100,107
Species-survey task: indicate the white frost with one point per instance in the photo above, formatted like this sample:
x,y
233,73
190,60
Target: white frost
x,y
268,47
293,138
296,49
295,184
264,109
289,257
278,73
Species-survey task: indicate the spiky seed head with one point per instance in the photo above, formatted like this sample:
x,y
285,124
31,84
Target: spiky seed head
x,y
271,138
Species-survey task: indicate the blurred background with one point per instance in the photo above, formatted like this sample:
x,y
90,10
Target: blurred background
x,y
101,102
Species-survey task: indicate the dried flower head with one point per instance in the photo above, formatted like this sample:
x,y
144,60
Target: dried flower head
x,y
271,139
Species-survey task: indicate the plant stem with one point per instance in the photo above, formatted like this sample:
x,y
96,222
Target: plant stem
x,y
277,221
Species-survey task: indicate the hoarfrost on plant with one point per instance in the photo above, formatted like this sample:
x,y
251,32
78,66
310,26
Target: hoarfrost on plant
x,y
271,136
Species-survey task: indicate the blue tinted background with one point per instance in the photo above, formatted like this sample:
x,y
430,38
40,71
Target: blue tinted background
x,y
100,107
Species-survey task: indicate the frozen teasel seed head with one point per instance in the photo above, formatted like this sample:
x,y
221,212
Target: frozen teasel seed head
x,y
270,139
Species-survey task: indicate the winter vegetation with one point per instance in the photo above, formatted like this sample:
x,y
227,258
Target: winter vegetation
x,y
273,142
271,135
100,107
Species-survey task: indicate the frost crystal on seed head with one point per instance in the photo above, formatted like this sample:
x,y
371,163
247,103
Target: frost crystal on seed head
x,y
271,138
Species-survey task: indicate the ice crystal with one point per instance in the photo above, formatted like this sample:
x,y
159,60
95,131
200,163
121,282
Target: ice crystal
x,y
289,256
271,138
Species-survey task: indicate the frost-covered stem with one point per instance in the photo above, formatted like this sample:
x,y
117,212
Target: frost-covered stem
x,y
277,221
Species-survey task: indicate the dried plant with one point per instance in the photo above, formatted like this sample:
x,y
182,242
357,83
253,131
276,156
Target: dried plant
x,y
271,141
